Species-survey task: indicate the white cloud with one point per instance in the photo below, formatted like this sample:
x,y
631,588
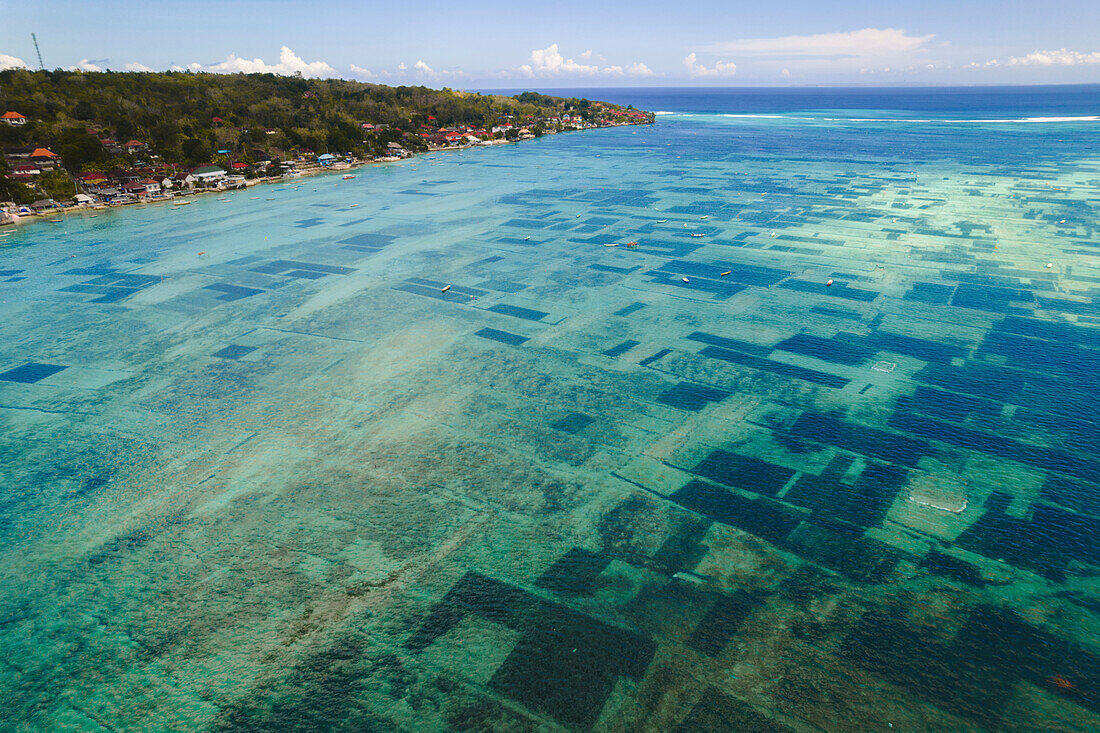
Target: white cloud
x,y
11,62
135,66
868,42
639,69
549,62
289,64
1061,57
720,68
359,71
786,73
422,67
85,65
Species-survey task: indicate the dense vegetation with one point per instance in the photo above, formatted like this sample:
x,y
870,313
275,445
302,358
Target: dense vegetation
x,y
260,114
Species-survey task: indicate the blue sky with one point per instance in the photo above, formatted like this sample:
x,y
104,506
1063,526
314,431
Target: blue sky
x,y
569,43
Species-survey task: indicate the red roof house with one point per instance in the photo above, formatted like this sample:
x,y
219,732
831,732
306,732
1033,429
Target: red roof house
x,y
13,118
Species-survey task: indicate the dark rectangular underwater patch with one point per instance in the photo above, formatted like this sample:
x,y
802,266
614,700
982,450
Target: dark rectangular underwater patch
x,y
31,372
918,348
575,572
931,293
834,350
973,674
626,311
232,292
946,566
294,268
775,367
728,343
368,240
621,349
611,268
722,622
1044,544
650,359
564,665
856,438
836,290
717,711
573,422
762,517
234,351
693,397
517,312
744,472
863,504
503,337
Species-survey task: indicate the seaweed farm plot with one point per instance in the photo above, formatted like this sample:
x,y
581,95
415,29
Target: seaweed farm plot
x,y
719,424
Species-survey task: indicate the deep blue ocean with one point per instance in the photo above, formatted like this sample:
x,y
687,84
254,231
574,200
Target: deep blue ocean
x,y
779,414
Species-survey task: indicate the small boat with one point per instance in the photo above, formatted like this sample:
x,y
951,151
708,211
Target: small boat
x,y
698,235
445,288
1050,264
773,234
611,244
202,253
56,221
631,244
723,274
527,238
704,216
685,279
182,203
352,206
828,283
347,176
661,221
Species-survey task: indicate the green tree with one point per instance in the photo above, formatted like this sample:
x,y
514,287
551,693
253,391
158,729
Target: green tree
x,y
56,185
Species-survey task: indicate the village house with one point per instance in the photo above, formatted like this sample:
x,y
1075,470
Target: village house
x,y
14,119
24,172
135,188
207,175
45,159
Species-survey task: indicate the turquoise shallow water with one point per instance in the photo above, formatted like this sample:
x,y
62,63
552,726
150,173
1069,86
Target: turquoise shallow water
x,y
261,472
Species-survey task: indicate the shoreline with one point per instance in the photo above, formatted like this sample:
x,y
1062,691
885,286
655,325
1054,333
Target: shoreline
x,y
314,170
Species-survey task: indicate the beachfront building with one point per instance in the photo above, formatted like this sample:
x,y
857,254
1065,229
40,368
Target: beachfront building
x,y
207,175
14,119
326,160
135,189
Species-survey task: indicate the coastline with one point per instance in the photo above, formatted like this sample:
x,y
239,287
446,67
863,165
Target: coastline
x,y
48,217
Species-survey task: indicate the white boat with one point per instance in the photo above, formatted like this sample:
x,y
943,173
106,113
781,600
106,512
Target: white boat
x,y
346,176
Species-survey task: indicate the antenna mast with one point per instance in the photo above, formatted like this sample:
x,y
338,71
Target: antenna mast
x,y
41,66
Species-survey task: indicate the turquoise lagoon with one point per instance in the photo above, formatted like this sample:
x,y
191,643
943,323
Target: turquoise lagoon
x,y
262,472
